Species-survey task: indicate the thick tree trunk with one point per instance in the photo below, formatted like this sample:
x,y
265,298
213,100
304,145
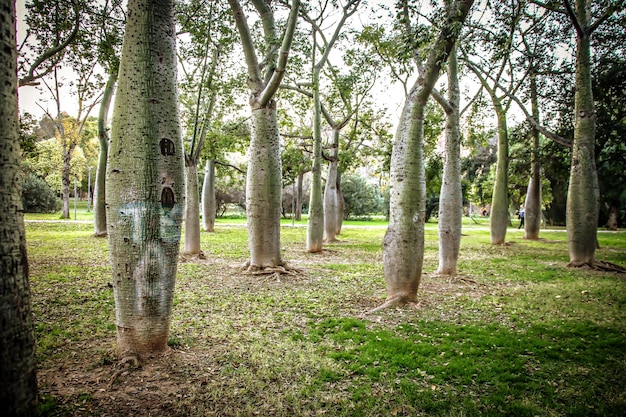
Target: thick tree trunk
x,y
208,197
583,193
99,207
315,227
500,216
18,394
263,190
145,183
451,196
331,200
341,204
403,245
191,245
532,205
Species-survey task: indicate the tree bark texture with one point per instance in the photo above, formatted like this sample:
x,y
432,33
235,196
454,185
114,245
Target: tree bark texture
x,y
263,190
99,200
500,216
331,196
191,244
451,195
403,244
145,183
315,226
583,193
18,393
341,204
299,192
208,197
532,205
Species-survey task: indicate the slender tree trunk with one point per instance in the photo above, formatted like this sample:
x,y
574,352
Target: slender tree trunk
x,y
65,184
315,228
263,190
532,205
298,213
341,203
145,183
192,210
99,208
208,197
500,216
583,192
18,394
451,196
331,207
403,245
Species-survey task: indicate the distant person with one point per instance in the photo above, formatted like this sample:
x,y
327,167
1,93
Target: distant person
x,y
520,214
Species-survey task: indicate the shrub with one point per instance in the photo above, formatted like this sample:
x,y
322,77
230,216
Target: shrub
x,y
361,197
38,196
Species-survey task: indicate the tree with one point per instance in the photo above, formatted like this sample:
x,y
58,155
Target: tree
x,y
18,396
403,245
145,184
263,184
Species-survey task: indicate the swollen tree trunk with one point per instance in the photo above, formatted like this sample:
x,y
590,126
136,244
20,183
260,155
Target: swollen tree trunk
x,y
208,197
263,190
18,395
583,192
330,193
532,205
145,184
451,196
403,245
315,226
99,207
192,210
500,216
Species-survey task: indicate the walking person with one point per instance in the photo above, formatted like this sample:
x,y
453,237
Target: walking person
x,y
520,214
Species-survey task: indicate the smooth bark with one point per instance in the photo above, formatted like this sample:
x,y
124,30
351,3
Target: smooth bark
x,y
500,216
208,197
451,195
145,183
18,394
331,194
315,225
403,245
191,245
532,205
99,206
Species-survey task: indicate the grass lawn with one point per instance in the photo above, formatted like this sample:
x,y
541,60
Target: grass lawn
x,y
515,334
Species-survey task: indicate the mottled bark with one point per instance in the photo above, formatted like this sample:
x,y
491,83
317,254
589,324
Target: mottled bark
x,y
263,190
451,196
331,200
191,244
99,206
18,394
500,216
145,184
532,205
208,197
583,193
403,245
341,204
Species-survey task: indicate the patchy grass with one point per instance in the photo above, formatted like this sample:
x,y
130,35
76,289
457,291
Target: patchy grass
x,y
517,333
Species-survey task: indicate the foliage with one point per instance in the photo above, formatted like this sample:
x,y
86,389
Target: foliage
x,y
361,197
38,196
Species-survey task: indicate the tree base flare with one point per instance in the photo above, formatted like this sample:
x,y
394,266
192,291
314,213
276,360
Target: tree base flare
x,y
278,270
190,257
597,266
397,301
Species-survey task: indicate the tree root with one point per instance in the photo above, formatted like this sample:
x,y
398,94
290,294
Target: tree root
x,y
595,265
269,270
190,257
398,300
126,362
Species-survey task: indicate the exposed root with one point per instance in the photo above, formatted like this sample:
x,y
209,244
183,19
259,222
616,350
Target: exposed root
x,y
398,300
595,265
273,270
190,257
127,361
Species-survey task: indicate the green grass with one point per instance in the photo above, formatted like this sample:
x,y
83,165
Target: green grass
x,y
517,333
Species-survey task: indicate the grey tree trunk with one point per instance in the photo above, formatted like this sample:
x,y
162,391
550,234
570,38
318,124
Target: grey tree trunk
x,y
331,195
451,196
263,190
191,244
341,204
99,207
315,226
65,183
145,183
18,395
583,193
403,245
208,197
298,213
532,205
500,216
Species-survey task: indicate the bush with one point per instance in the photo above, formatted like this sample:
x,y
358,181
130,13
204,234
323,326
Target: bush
x,y
361,197
38,196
